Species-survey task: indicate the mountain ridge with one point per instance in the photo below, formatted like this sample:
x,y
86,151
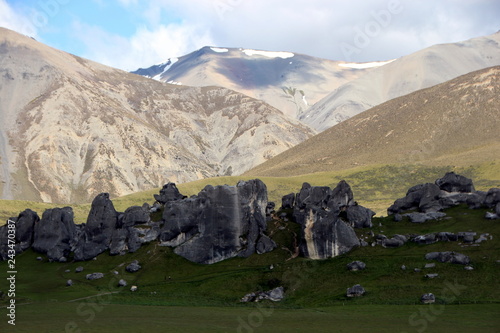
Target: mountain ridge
x,y
453,123
74,128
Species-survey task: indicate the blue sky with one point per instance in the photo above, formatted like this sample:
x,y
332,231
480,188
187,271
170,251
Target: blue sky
x,y
129,34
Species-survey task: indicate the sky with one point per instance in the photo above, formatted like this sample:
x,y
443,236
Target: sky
x,y
129,34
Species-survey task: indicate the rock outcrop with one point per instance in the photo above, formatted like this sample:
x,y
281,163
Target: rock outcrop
x,y
356,291
448,257
24,223
220,222
275,295
446,192
318,209
169,192
98,231
55,233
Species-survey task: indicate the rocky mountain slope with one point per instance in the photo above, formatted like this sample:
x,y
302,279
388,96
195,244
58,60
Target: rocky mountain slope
x,y
455,123
72,128
407,74
290,82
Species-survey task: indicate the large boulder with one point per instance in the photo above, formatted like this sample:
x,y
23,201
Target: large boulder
x,y
448,191
24,223
54,234
220,222
98,231
288,201
359,216
169,192
492,197
419,197
134,228
323,233
451,182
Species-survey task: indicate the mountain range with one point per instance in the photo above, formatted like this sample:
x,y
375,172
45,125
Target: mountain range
x,y
455,123
72,128
319,92
288,81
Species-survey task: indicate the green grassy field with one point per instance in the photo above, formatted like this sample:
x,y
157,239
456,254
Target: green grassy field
x,y
375,187
95,317
189,297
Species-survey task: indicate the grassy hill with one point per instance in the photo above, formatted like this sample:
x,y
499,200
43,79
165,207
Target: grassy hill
x,y
315,290
453,124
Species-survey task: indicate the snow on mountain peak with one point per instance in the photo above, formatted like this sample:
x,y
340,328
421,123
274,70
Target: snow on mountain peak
x,y
365,64
219,49
269,54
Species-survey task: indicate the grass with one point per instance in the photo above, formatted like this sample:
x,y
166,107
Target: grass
x,y
375,187
98,317
189,297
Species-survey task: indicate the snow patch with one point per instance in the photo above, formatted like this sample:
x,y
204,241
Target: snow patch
x,y
170,62
219,49
305,100
269,54
360,65
174,82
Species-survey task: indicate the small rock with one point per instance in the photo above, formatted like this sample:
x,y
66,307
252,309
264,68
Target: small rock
x,y
115,272
403,267
133,267
417,270
355,291
356,266
78,269
431,276
122,283
69,283
430,265
428,298
469,268
39,258
67,271
133,288
94,276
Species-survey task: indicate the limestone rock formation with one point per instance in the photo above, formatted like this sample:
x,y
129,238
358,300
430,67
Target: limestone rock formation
x,y
98,231
220,222
169,192
356,266
356,291
448,257
451,182
451,190
275,295
24,223
54,234
318,209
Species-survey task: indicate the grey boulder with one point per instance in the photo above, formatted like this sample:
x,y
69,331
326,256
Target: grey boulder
x,y
221,222
54,234
355,291
448,257
94,276
356,266
98,231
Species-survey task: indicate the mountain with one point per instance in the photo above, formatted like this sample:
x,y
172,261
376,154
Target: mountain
x,y
72,128
422,69
455,123
288,81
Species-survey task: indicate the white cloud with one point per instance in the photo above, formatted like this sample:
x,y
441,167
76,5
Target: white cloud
x,y
15,21
145,48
